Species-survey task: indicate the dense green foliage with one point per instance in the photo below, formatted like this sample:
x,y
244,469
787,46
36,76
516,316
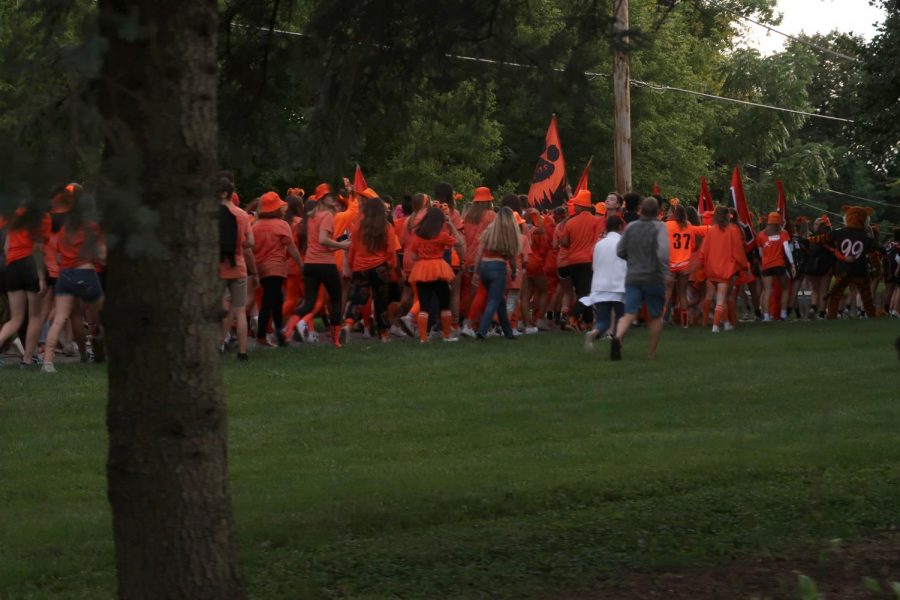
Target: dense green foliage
x,y
389,84
489,469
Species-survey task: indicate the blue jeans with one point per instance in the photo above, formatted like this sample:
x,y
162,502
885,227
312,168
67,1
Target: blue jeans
x,y
601,315
493,276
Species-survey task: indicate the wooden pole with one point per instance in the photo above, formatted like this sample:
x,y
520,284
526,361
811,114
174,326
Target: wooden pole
x,y
622,95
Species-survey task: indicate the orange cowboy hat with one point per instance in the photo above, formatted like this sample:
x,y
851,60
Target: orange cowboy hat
x,y
582,199
483,194
270,202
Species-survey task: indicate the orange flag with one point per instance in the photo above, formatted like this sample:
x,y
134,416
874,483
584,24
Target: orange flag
x,y
548,186
359,181
706,202
583,182
740,204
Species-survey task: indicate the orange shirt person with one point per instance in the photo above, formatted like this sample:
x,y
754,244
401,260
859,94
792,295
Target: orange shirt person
x,y
578,236
274,247
775,246
682,242
722,256
370,259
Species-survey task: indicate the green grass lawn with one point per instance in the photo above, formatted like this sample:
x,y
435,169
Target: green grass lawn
x,y
489,469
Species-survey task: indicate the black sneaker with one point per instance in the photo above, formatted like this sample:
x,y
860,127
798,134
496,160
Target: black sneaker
x,y
615,349
243,358
282,341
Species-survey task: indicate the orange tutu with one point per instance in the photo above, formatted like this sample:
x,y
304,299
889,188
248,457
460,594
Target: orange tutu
x,y
435,269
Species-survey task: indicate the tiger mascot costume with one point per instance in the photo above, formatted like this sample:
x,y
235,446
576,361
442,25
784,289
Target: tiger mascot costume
x,y
852,246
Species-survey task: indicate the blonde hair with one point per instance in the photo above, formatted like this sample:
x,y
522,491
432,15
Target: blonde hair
x,y
502,236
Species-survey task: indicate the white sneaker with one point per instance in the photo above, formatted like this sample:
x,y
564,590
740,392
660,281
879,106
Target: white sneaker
x,y
48,368
715,329
303,330
767,318
531,330
589,340
516,333
467,331
313,337
451,339
729,326
784,315
397,331
408,325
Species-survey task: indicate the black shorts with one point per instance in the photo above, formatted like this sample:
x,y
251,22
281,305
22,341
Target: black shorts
x,y
775,272
21,276
564,272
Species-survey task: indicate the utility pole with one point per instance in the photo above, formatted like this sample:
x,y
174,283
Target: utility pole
x,y
622,103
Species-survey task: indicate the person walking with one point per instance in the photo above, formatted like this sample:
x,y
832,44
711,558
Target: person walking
x,y
607,284
645,248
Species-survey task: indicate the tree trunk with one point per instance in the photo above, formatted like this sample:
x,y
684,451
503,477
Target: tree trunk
x,y
167,465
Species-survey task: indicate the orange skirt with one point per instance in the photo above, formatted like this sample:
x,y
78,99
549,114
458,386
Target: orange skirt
x,y
434,269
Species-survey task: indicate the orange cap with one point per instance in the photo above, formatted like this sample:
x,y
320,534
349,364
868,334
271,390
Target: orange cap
x,y
773,219
323,189
518,218
483,194
600,208
582,199
270,202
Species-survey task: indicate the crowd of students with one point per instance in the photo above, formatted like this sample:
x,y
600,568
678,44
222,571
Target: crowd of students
x,y
367,266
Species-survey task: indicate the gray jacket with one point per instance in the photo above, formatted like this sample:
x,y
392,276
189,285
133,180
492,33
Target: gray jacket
x,y
645,247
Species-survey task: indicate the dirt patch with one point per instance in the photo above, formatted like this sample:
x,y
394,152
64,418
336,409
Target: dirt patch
x,y
845,570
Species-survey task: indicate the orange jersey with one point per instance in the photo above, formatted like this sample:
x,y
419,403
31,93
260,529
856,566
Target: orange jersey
x,y
273,237
583,230
682,241
20,241
76,248
361,259
772,248
722,253
316,253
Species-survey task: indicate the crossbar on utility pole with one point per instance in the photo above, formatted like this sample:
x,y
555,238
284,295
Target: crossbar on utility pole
x,y
622,102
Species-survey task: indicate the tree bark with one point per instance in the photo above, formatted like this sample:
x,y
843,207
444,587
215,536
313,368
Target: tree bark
x,y
622,101
167,464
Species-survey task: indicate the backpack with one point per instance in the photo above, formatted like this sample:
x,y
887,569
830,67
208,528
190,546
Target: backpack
x,y
228,232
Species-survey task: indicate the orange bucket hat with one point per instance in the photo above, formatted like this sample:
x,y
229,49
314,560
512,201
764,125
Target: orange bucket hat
x,y
773,219
270,202
483,194
323,189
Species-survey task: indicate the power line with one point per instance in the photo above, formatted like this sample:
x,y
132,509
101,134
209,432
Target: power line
x,y
664,88
591,74
859,198
799,40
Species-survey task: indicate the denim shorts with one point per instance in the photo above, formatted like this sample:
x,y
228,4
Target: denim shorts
x,y
653,294
81,283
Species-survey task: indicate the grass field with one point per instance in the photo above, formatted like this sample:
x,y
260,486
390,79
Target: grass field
x,y
490,469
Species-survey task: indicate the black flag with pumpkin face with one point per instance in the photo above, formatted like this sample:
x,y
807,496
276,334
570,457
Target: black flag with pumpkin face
x,y
548,187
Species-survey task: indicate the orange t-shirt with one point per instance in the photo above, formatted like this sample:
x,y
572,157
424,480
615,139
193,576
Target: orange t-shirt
x,y
361,259
406,239
71,246
583,231
292,267
723,253
19,241
316,253
472,236
226,271
772,248
272,239
682,243
431,249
